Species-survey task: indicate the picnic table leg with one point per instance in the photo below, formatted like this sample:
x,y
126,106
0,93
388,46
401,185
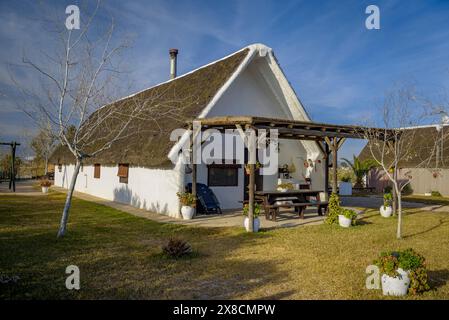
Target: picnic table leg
x,y
319,206
301,212
267,210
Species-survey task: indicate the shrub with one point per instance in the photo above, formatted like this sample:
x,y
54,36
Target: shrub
x,y
436,194
408,260
388,198
346,179
186,199
176,248
407,189
257,209
334,209
45,183
388,189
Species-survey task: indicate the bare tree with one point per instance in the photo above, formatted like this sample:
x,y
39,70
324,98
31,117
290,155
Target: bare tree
x,y
393,143
43,145
78,87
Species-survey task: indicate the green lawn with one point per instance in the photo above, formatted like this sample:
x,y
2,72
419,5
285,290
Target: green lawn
x,y
119,255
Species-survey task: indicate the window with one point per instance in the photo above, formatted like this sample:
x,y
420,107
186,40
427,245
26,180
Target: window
x,y
97,171
223,175
123,169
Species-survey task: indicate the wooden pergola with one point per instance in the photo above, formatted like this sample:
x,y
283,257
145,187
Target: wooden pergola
x,y
328,137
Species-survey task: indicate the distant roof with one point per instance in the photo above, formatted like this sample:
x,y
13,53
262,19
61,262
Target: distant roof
x,y
424,142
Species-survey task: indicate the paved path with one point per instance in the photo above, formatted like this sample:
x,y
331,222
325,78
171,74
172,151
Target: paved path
x,y
229,218
23,188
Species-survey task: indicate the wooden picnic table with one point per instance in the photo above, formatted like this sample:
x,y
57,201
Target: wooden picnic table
x,y
300,199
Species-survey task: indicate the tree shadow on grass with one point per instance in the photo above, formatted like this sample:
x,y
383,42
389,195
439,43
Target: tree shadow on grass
x,y
123,260
440,223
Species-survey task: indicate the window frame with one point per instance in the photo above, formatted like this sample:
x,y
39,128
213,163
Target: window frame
x,y
97,165
122,177
236,167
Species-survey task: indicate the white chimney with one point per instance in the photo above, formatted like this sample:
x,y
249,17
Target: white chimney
x,y
173,62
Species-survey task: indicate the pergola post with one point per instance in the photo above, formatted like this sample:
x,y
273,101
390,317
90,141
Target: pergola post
x,y
194,161
326,171
334,164
252,179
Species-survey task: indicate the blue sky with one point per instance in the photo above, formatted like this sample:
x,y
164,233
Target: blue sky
x,y
339,69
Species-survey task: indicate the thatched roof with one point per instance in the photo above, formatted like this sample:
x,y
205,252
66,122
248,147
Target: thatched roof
x,y
168,106
422,144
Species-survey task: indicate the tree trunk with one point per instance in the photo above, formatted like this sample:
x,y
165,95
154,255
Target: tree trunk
x,y
68,200
399,212
395,193
46,166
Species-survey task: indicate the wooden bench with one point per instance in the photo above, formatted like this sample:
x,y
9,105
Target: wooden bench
x,y
273,210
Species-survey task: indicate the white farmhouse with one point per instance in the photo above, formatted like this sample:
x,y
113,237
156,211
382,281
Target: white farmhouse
x,y
145,171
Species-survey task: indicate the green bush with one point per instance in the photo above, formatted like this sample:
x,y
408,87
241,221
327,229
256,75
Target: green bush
x,y
334,209
388,199
408,260
349,214
257,209
186,199
436,194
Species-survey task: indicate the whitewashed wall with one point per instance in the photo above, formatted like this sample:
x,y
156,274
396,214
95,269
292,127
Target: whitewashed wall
x,y
150,189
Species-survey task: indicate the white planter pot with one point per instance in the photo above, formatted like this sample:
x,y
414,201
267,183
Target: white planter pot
x,y
396,286
343,221
345,189
386,212
256,224
44,189
187,212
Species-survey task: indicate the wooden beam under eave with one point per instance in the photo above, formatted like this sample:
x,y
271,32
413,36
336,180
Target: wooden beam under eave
x,y
340,142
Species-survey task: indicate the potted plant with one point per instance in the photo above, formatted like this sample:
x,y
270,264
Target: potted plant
x,y
256,213
188,202
286,186
347,218
386,210
402,272
247,167
45,184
